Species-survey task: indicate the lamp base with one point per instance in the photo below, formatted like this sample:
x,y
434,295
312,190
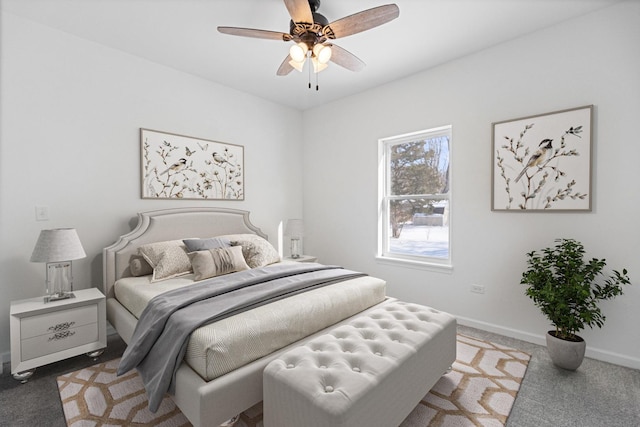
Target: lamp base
x,y
58,296
295,248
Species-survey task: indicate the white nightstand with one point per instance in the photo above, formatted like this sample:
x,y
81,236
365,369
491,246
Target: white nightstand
x,y
303,258
43,333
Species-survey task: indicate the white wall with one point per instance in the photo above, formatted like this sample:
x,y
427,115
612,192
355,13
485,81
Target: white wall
x,y
71,111
590,60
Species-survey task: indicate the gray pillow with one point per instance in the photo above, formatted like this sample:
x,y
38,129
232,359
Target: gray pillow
x,y
194,245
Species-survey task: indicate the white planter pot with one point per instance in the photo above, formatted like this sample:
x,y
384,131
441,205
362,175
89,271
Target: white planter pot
x,y
566,354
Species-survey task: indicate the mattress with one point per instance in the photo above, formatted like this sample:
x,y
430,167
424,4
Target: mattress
x,y
221,347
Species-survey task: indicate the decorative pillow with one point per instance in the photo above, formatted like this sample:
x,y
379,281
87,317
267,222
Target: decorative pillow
x,y
168,259
194,245
139,267
216,262
257,251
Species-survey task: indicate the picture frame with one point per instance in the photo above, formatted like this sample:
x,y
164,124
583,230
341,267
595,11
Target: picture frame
x,y
542,163
176,166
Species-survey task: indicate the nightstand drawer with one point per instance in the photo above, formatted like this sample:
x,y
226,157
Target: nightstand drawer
x,y
50,323
58,341
46,332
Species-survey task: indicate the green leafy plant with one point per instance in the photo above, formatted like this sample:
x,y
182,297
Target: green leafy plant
x,y
566,287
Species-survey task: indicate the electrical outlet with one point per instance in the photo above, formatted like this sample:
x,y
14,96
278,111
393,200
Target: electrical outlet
x,y
478,289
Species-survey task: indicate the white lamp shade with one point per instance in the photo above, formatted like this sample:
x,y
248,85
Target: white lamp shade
x,y
60,244
322,52
297,65
317,65
298,52
294,228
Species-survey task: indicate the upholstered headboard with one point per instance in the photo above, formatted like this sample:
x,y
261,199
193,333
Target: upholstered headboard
x,y
171,224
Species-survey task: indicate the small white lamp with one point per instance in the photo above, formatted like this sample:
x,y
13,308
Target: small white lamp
x,y
57,248
295,230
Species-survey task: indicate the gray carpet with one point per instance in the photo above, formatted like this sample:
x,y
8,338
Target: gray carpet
x,y
597,395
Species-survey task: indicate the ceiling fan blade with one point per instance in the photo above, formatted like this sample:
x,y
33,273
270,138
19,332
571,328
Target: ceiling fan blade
x,y
345,59
258,34
299,10
285,67
361,21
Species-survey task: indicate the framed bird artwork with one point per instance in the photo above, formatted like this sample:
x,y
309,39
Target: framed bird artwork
x,y
543,162
183,167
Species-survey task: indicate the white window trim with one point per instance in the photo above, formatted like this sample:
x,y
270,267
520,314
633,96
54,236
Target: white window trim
x,y
382,255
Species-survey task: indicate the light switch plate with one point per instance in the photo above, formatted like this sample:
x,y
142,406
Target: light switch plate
x,y
42,213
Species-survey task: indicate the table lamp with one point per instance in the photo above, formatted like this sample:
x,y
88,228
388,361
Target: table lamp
x,y
57,248
295,230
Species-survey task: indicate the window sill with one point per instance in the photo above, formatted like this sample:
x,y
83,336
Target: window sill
x,y
422,265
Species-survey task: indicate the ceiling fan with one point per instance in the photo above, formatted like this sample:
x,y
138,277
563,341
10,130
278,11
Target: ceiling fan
x,y
311,33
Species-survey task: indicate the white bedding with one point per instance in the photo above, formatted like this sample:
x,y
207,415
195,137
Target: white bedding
x,y
221,347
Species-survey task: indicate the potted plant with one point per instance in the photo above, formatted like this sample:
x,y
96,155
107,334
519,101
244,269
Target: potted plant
x,y
566,289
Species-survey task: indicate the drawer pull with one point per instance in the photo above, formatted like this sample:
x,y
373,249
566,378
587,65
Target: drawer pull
x,y
61,326
61,335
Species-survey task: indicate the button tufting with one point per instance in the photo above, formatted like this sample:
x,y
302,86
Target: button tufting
x,y
377,353
356,369
328,389
289,366
323,367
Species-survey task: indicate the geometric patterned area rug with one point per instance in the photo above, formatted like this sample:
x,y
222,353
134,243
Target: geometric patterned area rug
x,y
97,396
479,391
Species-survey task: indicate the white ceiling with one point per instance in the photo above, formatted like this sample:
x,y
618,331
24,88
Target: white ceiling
x,y
182,34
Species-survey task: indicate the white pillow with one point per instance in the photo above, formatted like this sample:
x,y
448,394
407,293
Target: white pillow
x,y
168,259
257,251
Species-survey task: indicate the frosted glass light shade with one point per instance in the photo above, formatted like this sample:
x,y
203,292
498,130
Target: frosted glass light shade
x,y
322,52
297,65
317,65
298,52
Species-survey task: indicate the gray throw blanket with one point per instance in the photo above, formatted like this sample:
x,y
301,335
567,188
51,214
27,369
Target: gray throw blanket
x,y
160,339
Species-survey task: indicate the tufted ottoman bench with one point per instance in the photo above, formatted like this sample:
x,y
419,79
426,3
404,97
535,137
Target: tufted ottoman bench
x,y
369,372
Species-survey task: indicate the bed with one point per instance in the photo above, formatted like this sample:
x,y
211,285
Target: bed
x,y
214,384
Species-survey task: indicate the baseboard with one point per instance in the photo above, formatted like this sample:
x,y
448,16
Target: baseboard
x,y
593,353
4,358
110,330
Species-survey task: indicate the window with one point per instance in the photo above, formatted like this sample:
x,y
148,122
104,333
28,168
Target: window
x,y
415,197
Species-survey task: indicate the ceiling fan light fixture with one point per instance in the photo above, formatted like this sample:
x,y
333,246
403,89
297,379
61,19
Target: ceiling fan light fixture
x,y
297,65
311,32
298,52
322,52
317,65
